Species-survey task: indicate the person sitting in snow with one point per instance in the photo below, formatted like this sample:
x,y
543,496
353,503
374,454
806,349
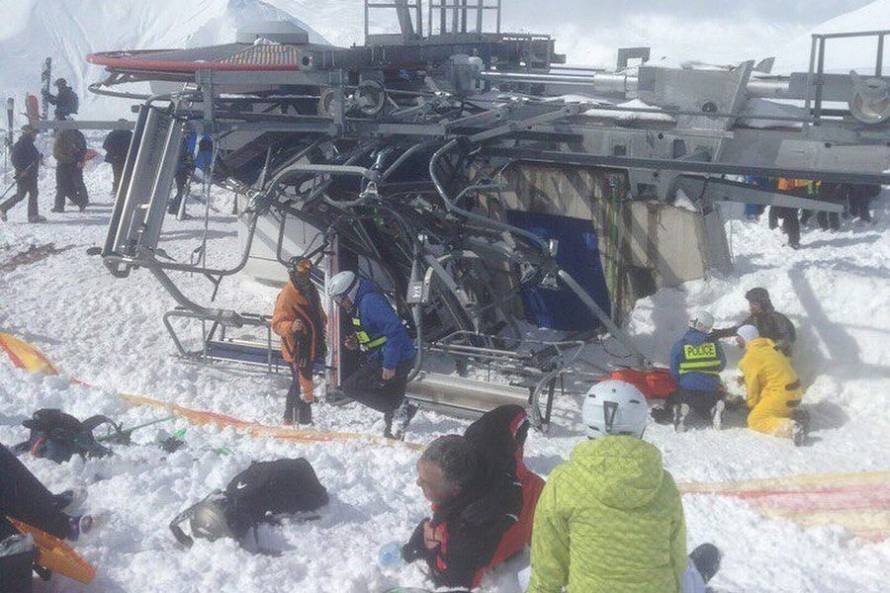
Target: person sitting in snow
x,y
696,362
481,510
610,518
769,322
25,499
772,390
300,321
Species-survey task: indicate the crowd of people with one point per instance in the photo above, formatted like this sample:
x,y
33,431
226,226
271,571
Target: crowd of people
x,y
855,199
71,153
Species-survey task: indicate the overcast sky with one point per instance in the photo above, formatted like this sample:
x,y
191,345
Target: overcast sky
x,y
719,31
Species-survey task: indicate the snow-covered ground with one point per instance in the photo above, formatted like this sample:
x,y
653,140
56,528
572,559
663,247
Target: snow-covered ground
x,y
108,333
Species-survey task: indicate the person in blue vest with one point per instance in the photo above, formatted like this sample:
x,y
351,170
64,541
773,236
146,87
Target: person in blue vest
x,y
696,362
382,378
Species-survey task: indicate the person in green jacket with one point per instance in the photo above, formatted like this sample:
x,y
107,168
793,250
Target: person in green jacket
x,y
610,519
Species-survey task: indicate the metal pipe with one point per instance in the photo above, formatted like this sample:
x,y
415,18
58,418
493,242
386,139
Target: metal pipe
x,y
616,331
452,207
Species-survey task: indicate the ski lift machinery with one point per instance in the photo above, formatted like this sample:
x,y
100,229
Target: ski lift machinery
x,y
391,158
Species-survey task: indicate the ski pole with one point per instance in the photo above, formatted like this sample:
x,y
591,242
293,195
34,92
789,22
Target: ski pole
x,y
124,435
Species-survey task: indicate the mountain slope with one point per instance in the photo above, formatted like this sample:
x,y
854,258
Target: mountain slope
x,y
68,31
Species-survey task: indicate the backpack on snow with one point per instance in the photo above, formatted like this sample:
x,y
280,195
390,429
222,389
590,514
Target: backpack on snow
x,y
268,488
58,436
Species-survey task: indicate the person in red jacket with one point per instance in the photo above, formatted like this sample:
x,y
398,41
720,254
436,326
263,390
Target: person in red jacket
x,y
300,321
483,500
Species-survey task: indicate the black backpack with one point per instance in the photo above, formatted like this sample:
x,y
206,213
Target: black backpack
x,y
268,488
58,436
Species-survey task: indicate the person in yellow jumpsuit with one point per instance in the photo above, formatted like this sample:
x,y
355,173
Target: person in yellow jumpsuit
x,y
773,391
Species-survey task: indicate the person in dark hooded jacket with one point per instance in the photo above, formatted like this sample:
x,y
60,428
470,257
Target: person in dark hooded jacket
x,y
474,505
116,145
69,150
66,100
769,322
26,160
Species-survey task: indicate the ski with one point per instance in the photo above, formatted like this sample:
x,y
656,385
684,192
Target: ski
x,y
46,80
32,109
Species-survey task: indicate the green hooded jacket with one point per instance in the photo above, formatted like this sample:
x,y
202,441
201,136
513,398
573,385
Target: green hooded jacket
x,y
609,520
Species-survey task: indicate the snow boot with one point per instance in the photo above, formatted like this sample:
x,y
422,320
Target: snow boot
x,y
717,414
304,413
387,425
681,413
336,397
402,417
79,525
70,499
706,558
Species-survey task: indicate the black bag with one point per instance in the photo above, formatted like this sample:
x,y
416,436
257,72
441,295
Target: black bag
x,y
269,488
58,436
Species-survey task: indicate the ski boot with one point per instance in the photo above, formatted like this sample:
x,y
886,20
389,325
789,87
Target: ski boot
x,y
706,559
717,414
681,413
402,417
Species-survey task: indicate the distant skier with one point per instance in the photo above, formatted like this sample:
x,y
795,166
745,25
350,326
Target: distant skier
x,y
696,362
610,518
380,382
769,322
65,100
116,145
773,391
70,150
26,161
300,321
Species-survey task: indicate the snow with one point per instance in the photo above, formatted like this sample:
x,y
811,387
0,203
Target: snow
x,y
68,31
108,333
842,55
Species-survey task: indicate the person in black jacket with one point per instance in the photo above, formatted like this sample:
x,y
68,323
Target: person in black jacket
x,y
769,322
26,160
473,508
116,145
66,101
70,150
24,498
861,196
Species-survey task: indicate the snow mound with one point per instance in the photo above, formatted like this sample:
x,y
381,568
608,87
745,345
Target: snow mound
x,y
32,30
842,55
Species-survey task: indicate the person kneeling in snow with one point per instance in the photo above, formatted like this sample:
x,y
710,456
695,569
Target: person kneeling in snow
x,y
773,391
300,321
476,501
25,499
696,362
610,518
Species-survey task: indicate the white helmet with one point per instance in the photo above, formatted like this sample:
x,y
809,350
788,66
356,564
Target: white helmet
x,y
615,407
208,520
702,321
341,283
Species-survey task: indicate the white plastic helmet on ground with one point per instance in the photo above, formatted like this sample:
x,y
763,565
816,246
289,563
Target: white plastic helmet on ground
x,y
702,321
615,408
341,283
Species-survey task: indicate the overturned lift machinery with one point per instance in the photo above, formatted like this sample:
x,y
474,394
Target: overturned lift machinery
x,y
396,154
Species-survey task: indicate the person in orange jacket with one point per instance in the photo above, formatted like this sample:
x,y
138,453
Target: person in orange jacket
x,y
773,391
300,322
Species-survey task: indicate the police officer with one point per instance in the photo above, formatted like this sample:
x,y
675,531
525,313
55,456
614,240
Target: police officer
x,y
388,352
696,362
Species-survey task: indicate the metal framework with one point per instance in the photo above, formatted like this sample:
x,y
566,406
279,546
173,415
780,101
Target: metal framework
x,y
393,152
